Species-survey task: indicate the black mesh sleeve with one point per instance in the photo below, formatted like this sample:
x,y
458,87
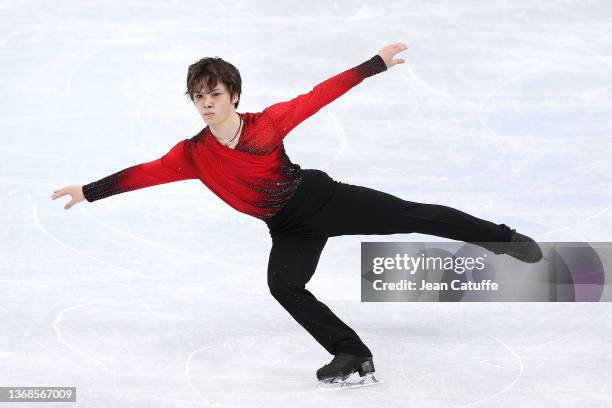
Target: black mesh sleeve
x,y
102,188
373,66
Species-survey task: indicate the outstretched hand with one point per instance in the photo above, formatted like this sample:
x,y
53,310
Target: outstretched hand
x,y
75,192
388,52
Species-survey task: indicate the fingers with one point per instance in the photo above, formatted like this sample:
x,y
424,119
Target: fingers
x,y
62,192
398,47
389,51
395,48
58,193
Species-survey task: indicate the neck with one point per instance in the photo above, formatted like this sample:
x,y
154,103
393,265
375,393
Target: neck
x,y
226,130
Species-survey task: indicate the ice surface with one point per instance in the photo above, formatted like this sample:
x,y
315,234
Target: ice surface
x,y
158,297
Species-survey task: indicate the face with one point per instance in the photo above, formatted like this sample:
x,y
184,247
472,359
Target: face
x,y
217,102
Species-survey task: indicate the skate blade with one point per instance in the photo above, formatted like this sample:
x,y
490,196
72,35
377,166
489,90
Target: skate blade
x,y
342,384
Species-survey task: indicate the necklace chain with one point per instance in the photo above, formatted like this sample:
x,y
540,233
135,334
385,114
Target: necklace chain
x,y
239,126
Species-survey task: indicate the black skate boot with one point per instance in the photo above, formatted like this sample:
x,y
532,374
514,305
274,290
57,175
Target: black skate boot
x,y
524,248
337,372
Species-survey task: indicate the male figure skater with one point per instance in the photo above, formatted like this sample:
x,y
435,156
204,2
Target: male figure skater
x,y
241,158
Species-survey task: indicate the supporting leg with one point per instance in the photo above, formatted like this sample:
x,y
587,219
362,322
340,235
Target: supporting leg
x,y
290,267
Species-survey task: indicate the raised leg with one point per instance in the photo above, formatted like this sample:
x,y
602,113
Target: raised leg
x,y
356,210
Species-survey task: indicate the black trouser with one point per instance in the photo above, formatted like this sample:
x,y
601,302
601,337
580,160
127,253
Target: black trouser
x,y
321,208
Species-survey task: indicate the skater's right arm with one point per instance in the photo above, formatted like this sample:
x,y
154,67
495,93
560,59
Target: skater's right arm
x,y
175,165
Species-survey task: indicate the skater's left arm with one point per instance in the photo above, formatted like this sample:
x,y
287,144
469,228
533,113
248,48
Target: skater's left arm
x,y
288,114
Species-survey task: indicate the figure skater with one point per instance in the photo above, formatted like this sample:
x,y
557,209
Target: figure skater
x,y
241,158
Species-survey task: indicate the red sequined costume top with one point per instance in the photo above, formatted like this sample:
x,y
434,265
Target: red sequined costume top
x,y
255,177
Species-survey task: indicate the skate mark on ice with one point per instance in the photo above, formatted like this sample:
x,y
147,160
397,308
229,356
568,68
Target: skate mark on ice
x,y
494,338
164,246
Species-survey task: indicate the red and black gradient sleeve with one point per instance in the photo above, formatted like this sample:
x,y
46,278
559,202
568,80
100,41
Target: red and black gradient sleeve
x,y
175,165
288,114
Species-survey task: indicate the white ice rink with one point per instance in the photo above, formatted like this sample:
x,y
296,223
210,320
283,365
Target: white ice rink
x,y
158,297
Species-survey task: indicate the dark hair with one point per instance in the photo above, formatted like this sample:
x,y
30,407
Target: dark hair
x,y
212,71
